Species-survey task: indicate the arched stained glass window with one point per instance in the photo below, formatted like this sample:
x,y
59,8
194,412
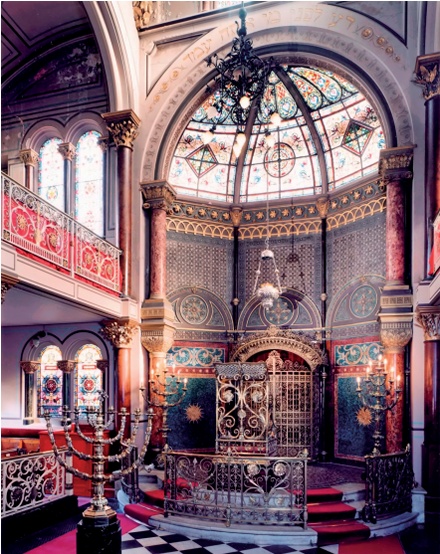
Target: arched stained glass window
x,y
89,183
51,174
329,136
88,379
50,382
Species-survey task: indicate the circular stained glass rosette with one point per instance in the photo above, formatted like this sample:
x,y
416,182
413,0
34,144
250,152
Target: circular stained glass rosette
x,y
279,160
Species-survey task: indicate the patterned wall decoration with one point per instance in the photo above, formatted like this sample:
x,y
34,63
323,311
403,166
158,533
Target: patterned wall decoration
x,y
356,354
193,422
195,360
202,262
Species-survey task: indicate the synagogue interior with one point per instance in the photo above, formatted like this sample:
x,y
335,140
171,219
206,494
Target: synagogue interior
x,y
220,272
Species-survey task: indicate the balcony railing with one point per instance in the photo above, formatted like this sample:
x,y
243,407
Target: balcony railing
x,y
259,490
32,480
39,229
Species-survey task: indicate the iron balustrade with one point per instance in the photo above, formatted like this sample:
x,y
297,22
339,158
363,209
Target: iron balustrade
x,y
29,481
243,490
37,227
389,480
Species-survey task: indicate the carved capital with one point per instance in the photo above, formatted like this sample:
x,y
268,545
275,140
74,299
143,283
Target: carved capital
x,y
395,164
395,335
67,150
123,127
30,367
120,334
429,319
66,366
102,365
142,12
236,215
8,281
322,205
103,143
29,157
427,72
158,195
159,339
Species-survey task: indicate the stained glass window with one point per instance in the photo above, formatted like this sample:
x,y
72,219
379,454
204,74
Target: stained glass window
x,y
329,136
50,382
88,379
89,183
51,174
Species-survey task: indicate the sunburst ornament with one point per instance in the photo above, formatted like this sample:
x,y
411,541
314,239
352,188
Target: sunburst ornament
x,y
194,413
364,416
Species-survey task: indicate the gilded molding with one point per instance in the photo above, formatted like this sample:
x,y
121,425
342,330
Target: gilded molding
x,y
123,127
427,72
323,205
190,227
236,215
30,367
120,334
395,164
157,339
158,195
29,157
395,335
429,319
273,339
67,150
66,366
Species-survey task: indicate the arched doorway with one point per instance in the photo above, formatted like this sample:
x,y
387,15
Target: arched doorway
x,y
291,361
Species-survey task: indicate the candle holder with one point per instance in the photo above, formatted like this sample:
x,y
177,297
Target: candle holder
x,y
165,388
99,531
380,396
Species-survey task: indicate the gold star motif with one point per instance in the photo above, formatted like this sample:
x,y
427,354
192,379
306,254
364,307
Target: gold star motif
x,y
194,413
356,194
272,214
189,210
247,216
214,214
260,215
311,210
344,199
176,208
369,189
285,212
202,212
334,203
298,211
226,215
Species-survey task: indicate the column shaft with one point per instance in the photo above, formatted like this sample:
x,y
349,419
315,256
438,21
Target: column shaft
x,y
158,253
125,216
395,234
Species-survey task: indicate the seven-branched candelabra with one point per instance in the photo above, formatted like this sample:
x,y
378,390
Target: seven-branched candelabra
x,y
380,394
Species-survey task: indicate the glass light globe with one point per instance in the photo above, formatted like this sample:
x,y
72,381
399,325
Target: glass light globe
x,y
245,102
240,139
275,119
237,149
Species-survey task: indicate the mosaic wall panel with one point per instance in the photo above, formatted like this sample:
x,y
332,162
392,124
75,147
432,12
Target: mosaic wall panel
x,y
193,422
194,261
356,354
298,260
195,360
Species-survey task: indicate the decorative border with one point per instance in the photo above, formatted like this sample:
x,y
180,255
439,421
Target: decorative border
x,y
355,354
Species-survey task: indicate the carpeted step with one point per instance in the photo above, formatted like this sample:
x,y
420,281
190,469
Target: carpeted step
x,y
142,512
329,511
340,532
323,495
155,497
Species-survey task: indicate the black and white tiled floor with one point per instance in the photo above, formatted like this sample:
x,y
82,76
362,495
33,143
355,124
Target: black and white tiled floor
x,y
144,540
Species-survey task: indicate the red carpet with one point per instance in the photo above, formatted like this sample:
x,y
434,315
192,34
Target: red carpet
x,y
381,545
67,543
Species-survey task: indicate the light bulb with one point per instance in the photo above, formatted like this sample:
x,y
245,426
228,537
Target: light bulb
x,y
245,102
212,112
207,137
270,141
237,149
275,119
240,139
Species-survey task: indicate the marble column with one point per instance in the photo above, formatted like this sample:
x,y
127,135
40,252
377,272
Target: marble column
x,y
68,368
427,72
123,127
30,159
29,368
120,334
157,315
429,319
68,151
396,300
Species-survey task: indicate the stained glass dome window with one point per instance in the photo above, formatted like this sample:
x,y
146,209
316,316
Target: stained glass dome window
x,y
51,174
50,382
329,135
88,378
89,184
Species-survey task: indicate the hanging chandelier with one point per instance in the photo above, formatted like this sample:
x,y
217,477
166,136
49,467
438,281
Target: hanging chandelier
x,y
238,87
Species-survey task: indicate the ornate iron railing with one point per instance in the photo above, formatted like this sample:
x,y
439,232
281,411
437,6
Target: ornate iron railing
x,y
30,481
254,490
389,482
38,228
130,481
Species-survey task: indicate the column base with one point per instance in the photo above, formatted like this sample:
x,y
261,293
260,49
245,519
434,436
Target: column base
x,y
99,535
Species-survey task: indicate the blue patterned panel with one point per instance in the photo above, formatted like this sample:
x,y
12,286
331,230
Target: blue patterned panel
x,y
356,354
281,313
192,423
195,357
363,301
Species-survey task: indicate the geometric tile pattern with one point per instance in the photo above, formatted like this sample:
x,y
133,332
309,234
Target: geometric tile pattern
x,y
143,540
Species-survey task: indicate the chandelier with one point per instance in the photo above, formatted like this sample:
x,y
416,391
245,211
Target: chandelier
x,y
238,87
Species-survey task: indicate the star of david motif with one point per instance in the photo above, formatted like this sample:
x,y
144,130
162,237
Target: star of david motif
x,y
202,160
356,137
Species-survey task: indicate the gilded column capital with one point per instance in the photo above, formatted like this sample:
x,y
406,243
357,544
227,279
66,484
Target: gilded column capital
x,y
119,333
236,215
142,12
429,319
30,367
322,205
158,339
8,281
102,365
67,150
427,72
29,157
395,335
66,366
123,127
158,195
395,164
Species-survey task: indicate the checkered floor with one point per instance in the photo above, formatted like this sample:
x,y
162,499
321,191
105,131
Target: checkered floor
x,y
142,540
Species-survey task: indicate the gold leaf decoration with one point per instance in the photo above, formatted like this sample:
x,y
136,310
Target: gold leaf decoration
x,y
194,413
364,416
